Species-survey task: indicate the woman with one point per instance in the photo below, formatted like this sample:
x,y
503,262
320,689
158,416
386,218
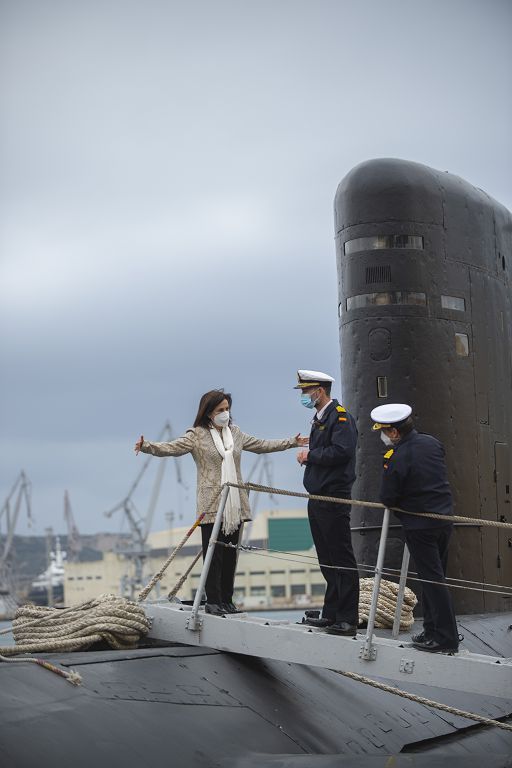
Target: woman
x,y
216,446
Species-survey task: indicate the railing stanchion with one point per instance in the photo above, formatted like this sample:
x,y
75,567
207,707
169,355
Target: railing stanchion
x,y
401,591
193,621
368,651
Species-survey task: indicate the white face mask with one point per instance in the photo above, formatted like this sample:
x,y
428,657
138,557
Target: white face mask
x,y
221,419
385,439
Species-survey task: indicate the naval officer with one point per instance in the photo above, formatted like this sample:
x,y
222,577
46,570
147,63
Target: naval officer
x,y
414,479
330,471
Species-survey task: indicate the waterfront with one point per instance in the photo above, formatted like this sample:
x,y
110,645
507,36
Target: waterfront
x,y
8,638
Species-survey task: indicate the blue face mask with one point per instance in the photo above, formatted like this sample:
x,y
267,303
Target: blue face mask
x,y
307,401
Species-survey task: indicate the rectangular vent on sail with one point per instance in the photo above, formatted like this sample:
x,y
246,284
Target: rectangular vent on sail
x,y
378,274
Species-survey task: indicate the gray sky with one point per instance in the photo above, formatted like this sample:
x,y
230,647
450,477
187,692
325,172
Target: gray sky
x,y
168,175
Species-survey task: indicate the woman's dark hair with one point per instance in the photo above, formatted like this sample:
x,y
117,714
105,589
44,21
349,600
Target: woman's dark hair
x,y
209,401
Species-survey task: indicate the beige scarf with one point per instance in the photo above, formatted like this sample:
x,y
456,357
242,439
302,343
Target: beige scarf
x,y
233,508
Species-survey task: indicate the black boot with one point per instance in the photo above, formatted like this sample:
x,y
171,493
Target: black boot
x,y
230,608
215,609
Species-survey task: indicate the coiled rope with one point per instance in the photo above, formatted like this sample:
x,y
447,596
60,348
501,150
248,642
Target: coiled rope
x,y
386,604
114,620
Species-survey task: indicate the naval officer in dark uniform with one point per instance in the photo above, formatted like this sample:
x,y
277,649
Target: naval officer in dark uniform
x,y
330,471
414,479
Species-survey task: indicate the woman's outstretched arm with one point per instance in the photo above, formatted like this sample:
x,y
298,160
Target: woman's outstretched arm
x,y
178,447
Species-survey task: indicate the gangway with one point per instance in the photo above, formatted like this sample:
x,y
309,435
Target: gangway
x,y
300,644
368,654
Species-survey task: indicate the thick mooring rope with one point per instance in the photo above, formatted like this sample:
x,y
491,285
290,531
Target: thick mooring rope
x,y
423,700
119,622
386,604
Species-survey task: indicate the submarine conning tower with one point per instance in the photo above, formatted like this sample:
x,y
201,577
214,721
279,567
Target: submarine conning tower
x,y
424,265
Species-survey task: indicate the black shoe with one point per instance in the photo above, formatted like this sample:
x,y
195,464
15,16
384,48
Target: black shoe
x,y
320,623
215,609
230,608
342,628
433,646
420,637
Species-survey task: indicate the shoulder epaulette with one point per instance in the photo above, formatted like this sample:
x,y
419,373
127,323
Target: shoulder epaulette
x,y
341,410
387,457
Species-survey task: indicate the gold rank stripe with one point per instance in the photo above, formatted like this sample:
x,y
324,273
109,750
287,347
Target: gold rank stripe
x,y
389,453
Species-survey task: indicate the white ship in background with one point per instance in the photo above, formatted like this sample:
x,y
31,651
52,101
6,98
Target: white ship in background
x,y
48,588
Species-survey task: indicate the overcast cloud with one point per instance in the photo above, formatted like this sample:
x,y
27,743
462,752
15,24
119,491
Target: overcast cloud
x,y
167,177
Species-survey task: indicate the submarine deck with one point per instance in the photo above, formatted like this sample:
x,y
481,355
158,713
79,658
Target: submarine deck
x,y
184,705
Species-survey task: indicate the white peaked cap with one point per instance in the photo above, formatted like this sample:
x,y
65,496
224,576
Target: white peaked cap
x,y
390,414
312,379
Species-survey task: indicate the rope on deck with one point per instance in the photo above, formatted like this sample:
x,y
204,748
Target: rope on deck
x,y
75,678
115,620
386,604
423,700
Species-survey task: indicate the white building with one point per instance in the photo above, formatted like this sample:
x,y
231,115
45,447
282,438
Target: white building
x,y
281,572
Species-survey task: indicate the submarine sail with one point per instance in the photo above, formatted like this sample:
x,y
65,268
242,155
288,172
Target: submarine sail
x,y
424,262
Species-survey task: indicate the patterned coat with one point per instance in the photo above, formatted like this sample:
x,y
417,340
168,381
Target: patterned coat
x,y
199,442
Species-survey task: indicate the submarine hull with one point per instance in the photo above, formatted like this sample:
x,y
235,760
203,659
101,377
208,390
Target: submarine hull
x,y
186,706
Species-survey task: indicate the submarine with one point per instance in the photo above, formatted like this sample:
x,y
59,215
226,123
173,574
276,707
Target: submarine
x,y
424,316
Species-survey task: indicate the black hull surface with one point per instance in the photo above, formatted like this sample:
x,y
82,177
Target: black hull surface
x,y
183,706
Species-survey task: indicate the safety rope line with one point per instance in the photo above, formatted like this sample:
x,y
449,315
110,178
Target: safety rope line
x,y
351,502
423,700
363,566
374,504
261,551
182,580
147,589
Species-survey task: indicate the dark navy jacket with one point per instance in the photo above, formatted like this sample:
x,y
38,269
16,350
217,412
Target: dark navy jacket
x,y
330,469
414,478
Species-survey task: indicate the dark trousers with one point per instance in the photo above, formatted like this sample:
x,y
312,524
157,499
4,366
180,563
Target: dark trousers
x,y
429,550
221,576
330,528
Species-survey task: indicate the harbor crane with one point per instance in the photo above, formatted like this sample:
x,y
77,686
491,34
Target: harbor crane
x,y
74,545
10,512
140,525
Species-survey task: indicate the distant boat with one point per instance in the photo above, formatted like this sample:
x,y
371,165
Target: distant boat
x,y
54,576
